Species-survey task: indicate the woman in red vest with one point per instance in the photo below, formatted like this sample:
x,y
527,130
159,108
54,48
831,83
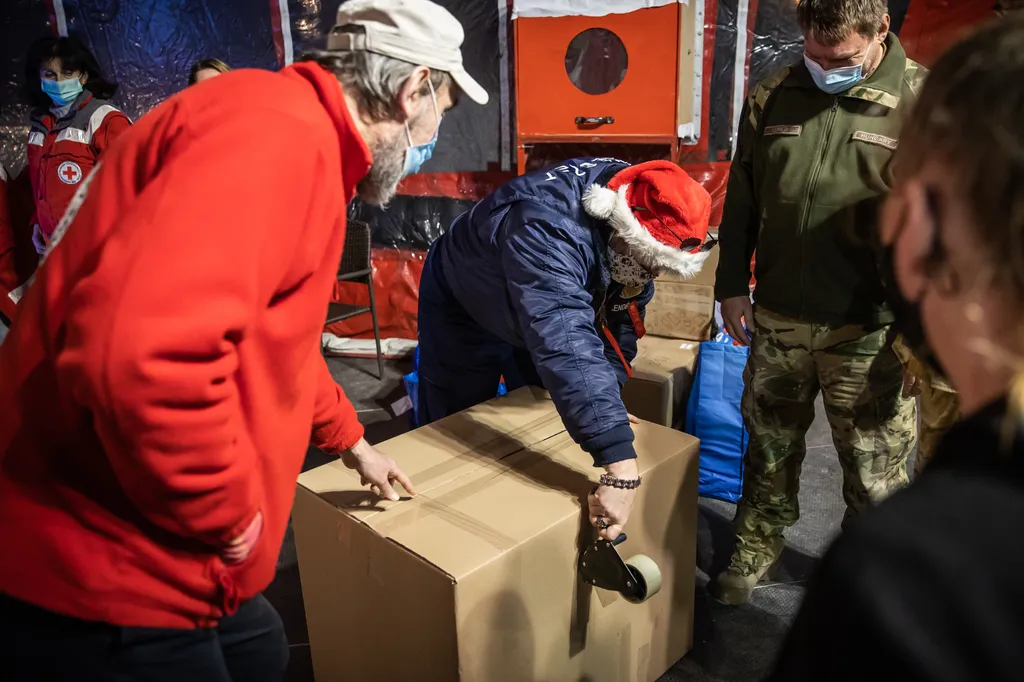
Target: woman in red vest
x,y
70,126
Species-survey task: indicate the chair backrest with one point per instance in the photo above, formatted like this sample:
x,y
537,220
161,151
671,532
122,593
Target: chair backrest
x,y
355,257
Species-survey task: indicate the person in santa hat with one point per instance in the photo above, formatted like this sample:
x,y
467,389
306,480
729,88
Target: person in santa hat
x,y
545,282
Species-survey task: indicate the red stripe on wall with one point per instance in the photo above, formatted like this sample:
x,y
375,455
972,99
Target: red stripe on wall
x,y
471,186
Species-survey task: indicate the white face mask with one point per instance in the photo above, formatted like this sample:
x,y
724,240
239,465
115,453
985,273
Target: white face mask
x,y
626,271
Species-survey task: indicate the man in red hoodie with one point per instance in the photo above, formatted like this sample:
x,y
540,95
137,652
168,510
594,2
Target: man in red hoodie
x,y
163,379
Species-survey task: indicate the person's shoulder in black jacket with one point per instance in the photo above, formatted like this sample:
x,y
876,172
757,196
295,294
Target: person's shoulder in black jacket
x,y
928,586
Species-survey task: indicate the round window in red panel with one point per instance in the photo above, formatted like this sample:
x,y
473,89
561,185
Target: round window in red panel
x,y
596,61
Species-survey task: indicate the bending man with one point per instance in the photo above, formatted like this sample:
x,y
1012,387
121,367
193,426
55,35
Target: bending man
x,y
545,282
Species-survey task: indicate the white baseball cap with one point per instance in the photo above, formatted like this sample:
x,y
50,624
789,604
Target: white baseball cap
x,y
416,31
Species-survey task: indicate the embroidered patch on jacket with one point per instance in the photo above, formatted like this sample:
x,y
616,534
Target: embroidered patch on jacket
x,y
70,173
783,130
880,140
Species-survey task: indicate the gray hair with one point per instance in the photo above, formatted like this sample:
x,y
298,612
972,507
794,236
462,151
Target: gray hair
x,y
375,80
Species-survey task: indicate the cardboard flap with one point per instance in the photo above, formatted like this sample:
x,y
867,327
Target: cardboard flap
x,y
681,310
659,357
444,451
469,522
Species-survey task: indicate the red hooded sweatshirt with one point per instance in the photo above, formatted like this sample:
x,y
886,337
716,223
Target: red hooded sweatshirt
x,y
164,376
9,279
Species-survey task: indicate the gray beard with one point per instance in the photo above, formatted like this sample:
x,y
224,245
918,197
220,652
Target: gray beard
x,y
381,183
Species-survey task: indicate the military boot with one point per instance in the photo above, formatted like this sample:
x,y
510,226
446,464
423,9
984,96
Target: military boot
x,y
734,585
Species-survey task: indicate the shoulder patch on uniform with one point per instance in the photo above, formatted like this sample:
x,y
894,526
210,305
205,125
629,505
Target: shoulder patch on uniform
x,y
759,95
783,130
914,75
875,95
880,140
763,90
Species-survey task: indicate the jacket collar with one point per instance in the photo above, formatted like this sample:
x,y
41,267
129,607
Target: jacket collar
x,y
356,158
40,117
884,86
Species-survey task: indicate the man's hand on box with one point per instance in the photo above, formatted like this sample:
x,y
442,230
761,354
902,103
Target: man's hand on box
x,y
632,419
609,506
376,470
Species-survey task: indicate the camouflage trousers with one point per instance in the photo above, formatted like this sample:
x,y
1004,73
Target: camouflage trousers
x,y
939,406
873,427
940,409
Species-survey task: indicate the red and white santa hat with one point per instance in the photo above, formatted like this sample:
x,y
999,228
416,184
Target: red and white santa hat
x,y
659,211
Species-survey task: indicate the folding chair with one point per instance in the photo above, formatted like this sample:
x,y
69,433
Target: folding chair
x,y
355,267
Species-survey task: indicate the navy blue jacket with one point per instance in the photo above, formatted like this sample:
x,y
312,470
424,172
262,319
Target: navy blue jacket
x,y
531,266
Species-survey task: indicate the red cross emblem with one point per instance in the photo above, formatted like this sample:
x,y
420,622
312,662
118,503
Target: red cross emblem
x,y
70,173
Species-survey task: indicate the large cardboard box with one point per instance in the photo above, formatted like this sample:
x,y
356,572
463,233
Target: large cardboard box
x,y
662,376
475,579
680,310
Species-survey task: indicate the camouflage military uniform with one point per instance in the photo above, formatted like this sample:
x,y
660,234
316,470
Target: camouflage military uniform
x,y
872,425
809,175
940,407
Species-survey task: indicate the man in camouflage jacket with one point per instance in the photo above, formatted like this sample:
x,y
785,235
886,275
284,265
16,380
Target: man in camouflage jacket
x,y
811,167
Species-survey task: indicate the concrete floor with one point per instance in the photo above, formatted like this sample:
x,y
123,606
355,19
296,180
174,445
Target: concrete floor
x,y
731,644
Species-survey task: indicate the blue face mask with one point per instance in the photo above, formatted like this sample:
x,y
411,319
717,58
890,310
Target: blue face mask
x,y
418,154
838,80
62,92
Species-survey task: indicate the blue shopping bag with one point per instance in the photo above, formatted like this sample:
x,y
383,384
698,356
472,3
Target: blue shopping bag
x,y
713,415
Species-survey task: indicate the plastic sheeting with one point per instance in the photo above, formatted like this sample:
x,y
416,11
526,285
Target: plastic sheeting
x,y
147,47
396,281
582,8
473,186
409,222
932,25
425,207
21,22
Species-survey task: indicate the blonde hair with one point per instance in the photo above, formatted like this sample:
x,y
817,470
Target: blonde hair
x,y
211,63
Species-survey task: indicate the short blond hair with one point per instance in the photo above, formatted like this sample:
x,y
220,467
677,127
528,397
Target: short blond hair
x,y
830,22
212,64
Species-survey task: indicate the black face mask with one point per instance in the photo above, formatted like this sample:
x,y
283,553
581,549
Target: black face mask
x,y
908,313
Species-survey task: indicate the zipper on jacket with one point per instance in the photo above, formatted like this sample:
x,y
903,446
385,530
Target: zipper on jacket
x,y
812,189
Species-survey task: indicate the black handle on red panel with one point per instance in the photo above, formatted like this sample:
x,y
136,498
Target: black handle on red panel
x,y
594,120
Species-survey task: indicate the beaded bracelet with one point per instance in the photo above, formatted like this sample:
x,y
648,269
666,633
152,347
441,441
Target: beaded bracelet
x,y
624,484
